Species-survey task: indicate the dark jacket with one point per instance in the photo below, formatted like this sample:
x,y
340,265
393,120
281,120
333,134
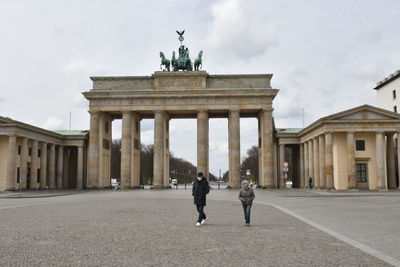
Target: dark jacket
x,y
246,196
199,191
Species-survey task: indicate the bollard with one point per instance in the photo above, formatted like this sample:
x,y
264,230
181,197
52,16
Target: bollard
x,y
218,185
185,185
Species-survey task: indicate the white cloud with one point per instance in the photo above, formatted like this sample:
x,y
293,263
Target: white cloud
x,y
234,37
54,123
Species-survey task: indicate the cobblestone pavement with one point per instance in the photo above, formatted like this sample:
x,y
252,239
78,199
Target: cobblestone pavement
x,y
157,228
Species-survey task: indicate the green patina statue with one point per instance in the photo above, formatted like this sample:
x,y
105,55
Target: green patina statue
x,y
183,62
164,62
198,62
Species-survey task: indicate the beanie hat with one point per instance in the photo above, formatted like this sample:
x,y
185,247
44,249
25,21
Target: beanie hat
x,y
245,182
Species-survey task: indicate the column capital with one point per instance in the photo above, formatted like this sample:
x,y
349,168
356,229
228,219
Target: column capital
x,y
202,111
234,110
158,111
126,112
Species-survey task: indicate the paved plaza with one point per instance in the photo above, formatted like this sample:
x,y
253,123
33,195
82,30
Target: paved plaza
x,y
157,228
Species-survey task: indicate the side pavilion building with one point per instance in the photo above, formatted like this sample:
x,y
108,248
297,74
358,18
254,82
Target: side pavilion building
x,y
353,149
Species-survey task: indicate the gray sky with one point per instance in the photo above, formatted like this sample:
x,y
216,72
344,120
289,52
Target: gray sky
x,y
326,56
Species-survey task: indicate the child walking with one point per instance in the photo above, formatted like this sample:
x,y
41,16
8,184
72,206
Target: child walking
x,y
246,195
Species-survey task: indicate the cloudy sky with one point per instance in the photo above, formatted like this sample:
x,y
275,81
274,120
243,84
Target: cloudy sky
x,y
326,56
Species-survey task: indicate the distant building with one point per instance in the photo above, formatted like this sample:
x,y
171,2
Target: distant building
x,y
388,92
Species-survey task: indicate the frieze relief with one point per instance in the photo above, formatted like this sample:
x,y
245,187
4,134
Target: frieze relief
x,y
179,82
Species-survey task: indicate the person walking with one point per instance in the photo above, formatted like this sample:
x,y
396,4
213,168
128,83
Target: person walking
x,y
199,191
246,196
310,182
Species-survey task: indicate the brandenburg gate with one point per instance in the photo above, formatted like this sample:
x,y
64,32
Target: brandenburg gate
x,y
167,95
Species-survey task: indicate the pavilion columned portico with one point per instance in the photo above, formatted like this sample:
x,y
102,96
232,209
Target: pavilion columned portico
x,y
353,149
167,95
41,159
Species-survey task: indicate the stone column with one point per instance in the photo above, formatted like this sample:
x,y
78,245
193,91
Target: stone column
x,y
166,151
234,148
328,161
79,169
202,142
351,164
93,153
398,155
126,152
302,165
316,162
391,172
34,165
311,161
281,161
60,167
306,164
52,167
66,160
267,149
11,163
43,165
23,163
381,184
321,150
158,149
135,151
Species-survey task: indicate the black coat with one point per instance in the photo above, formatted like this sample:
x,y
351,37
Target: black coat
x,y
199,191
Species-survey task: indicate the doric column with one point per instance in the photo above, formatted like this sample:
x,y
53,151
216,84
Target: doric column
x,y
202,142
135,151
328,161
166,151
398,155
52,167
381,184
43,165
306,164
93,153
60,167
65,169
23,163
302,165
316,162
351,164
79,169
34,165
267,149
311,161
391,172
322,179
11,163
126,152
281,161
158,149
234,148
